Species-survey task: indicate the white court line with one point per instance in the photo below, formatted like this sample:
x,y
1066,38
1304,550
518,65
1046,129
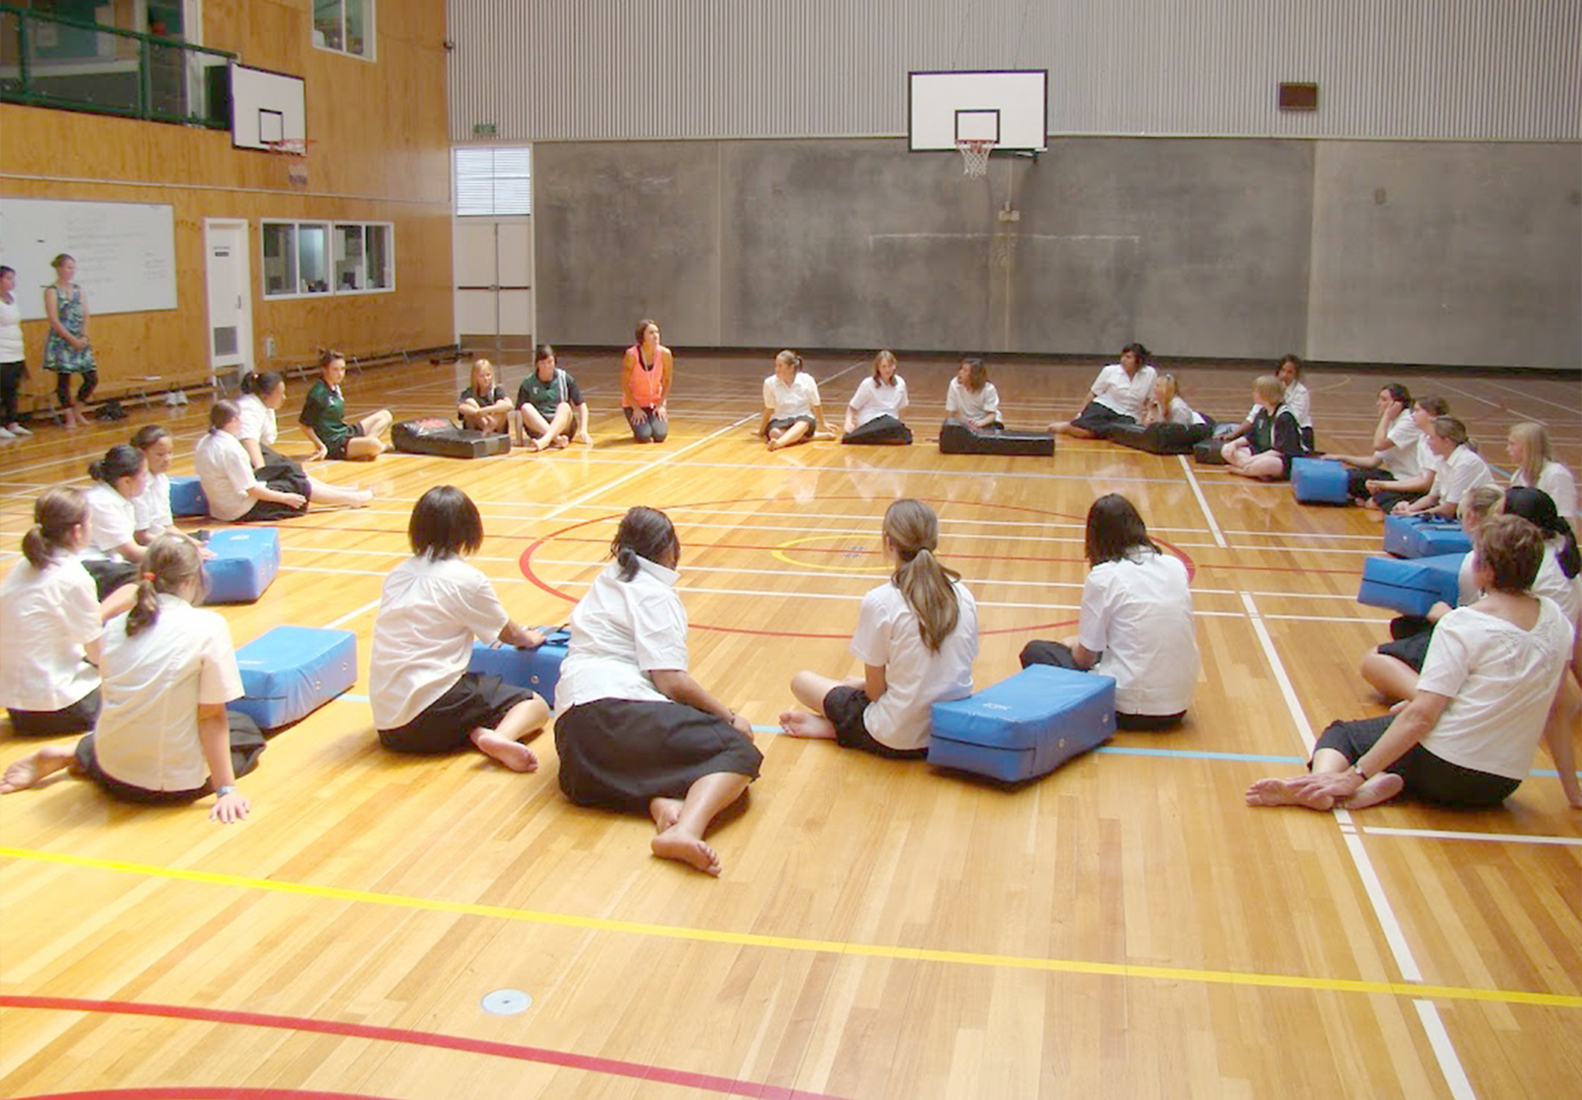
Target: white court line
x,y
1444,1050
350,615
1572,409
1202,502
1497,838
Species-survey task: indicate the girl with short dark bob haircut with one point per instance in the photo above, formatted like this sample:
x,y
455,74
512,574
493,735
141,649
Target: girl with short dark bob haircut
x,y
432,608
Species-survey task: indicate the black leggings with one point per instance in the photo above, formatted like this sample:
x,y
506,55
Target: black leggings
x,y
1428,777
10,382
90,380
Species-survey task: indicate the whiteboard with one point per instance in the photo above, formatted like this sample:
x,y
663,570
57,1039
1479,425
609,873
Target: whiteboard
x,y
125,252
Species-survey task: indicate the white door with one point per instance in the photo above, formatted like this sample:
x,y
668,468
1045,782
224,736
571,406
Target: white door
x,y
230,297
493,263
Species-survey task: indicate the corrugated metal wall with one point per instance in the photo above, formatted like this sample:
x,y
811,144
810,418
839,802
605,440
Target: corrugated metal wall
x,y
674,69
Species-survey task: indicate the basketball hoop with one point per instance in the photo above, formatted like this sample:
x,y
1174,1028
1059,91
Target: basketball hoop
x,y
289,147
975,157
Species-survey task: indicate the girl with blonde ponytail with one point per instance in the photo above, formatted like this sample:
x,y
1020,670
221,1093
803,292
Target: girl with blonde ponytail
x,y
917,636
50,622
164,735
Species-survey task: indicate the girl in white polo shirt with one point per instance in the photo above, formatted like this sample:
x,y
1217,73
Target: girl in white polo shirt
x,y
1118,396
113,552
1467,737
263,394
972,398
1136,621
793,412
1528,447
238,493
50,623
874,415
634,730
917,636
169,669
431,609
1460,468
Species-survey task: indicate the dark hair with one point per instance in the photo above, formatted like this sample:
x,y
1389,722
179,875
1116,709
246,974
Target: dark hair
x,y
4,271
1137,350
222,413
642,326
62,258
791,358
170,563
1294,361
643,533
148,435
547,351
1448,427
912,529
122,460
977,373
261,383
55,513
445,524
1400,393
1435,406
328,356
1538,508
1115,529
1511,548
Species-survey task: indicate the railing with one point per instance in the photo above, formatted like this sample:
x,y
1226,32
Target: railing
x,y
52,61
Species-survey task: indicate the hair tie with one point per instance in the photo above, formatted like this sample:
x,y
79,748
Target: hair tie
x,y
148,576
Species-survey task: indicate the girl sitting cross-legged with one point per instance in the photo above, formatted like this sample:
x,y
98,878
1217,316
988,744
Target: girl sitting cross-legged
x,y
917,636
1273,438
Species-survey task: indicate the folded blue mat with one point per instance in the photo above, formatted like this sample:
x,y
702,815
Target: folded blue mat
x,y
290,671
1413,585
187,497
1025,726
1423,537
538,670
245,562
1319,481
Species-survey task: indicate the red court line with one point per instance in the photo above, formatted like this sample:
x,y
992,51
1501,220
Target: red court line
x,y
593,1064
199,1092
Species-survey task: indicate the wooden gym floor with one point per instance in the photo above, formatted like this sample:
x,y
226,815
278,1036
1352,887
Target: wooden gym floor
x,y
1125,927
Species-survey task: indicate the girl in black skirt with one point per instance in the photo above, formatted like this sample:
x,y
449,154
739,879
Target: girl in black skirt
x,y
634,730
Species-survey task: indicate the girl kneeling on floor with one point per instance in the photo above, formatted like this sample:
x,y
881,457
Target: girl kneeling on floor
x,y
917,636
164,735
432,607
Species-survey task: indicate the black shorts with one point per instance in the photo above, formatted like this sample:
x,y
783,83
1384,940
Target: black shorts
x,y
108,575
354,431
446,724
844,707
785,422
1097,418
1428,777
79,717
247,745
1411,650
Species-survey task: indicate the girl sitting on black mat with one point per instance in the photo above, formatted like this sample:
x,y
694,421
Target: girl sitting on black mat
x,y
1116,397
874,415
972,398
1136,621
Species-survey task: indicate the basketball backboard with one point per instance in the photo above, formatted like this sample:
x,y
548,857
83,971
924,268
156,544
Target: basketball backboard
x,y
265,107
1009,107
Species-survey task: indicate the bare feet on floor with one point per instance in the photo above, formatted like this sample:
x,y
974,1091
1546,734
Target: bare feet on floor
x,y
665,812
27,772
675,843
1283,792
513,754
799,723
1378,788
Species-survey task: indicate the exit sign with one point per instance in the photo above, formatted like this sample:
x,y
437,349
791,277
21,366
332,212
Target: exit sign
x,y
483,129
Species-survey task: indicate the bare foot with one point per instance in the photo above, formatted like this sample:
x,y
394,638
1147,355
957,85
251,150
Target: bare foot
x,y
774,444
584,437
513,754
27,772
799,723
675,844
1376,789
363,498
665,812
536,444
561,441
1280,792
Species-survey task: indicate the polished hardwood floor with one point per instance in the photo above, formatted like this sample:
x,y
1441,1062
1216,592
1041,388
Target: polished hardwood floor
x,y
1124,927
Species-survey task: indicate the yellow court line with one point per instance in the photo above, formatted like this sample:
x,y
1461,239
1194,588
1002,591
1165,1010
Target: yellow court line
x,y
834,947
779,552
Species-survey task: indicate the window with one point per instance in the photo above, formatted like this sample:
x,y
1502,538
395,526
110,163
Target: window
x,y
345,26
302,259
492,180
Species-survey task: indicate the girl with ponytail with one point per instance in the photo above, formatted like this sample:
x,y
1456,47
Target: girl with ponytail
x,y
239,493
1461,468
1136,621
50,623
917,636
168,669
793,411
113,552
263,393
635,732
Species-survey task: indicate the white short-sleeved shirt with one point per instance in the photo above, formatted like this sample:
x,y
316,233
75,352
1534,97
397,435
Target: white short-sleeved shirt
x,y
1400,457
1179,412
46,617
1137,613
1557,481
112,522
915,677
1463,471
796,399
154,683
11,349
226,473
1467,590
1300,402
1500,680
972,407
258,420
1427,461
874,400
151,508
1125,395
1553,582
430,611
621,632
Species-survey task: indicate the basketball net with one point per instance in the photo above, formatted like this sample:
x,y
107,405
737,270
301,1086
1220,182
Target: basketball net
x,y
296,174
975,157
